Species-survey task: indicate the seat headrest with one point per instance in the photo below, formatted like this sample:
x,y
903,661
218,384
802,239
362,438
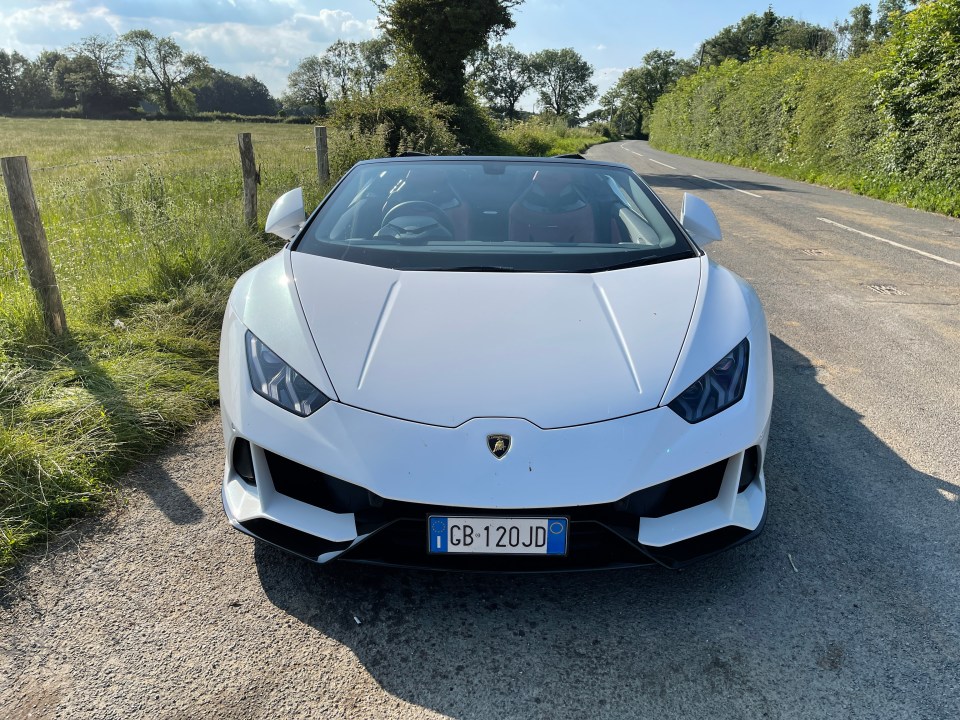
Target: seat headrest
x,y
552,190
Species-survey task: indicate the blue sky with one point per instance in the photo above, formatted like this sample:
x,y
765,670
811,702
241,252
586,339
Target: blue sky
x,y
267,38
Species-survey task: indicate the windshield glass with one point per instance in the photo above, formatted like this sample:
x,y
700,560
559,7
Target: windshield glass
x,y
494,215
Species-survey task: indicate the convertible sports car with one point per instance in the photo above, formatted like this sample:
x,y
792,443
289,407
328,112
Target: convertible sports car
x,y
483,363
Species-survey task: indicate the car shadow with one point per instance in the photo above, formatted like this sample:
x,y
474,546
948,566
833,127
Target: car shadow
x,y
118,416
814,610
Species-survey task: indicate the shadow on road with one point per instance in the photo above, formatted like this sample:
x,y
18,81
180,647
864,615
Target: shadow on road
x,y
688,182
860,629
155,482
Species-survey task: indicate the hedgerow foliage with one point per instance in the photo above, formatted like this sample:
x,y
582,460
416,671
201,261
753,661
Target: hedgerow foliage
x,y
886,123
919,92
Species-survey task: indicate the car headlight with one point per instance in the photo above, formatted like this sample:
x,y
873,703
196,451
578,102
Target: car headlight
x,y
717,389
279,383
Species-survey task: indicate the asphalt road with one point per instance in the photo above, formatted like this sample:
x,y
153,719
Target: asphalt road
x,y
846,607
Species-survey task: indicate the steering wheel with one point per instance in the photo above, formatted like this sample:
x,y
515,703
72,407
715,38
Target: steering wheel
x,y
415,208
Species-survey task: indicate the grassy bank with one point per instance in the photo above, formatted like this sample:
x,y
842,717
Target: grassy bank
x,y
143,221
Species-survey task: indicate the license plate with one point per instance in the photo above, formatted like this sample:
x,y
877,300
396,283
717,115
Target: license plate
x,y
493,535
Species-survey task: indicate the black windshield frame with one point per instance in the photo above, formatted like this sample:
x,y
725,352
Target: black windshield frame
x,y
443,253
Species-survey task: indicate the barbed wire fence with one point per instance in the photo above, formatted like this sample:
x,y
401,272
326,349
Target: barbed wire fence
x,y
131,202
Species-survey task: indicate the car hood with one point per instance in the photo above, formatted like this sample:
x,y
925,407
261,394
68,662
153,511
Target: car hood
x,y
557,349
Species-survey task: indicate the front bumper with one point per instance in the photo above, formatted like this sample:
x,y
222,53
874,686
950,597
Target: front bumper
x,y
639,490
600,537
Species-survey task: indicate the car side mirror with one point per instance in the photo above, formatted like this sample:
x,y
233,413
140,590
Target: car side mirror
x,y
698,219
287,215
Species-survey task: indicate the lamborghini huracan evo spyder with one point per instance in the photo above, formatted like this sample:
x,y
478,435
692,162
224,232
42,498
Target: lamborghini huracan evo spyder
x,y
495,364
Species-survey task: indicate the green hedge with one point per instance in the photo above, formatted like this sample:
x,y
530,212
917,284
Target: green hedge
x,y
397,119
886,124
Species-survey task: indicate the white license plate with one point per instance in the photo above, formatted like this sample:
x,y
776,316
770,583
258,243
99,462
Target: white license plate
x,y
497,535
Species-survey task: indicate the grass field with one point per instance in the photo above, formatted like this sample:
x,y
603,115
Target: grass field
x,y
145,232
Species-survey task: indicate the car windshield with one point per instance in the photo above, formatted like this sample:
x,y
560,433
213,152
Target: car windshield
x,y
497,215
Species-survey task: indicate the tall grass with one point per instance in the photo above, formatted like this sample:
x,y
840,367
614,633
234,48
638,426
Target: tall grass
x,y
146,236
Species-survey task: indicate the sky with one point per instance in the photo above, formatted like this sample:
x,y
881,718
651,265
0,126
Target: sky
x,y
267,38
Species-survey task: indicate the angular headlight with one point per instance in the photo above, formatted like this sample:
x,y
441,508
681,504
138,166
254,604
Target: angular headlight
x,y
717,390
279,383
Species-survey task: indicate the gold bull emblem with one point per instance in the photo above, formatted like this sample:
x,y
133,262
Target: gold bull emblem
x,y
499,445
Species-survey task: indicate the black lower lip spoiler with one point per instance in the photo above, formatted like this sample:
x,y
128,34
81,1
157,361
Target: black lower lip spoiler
x,y
389,546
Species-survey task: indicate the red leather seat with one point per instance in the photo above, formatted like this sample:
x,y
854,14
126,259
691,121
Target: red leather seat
x,y
551,210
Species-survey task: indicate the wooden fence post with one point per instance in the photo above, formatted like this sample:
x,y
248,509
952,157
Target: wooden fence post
x,y
251,178
323,162
33,243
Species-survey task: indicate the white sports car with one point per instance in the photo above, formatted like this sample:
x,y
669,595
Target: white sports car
x,y
495,364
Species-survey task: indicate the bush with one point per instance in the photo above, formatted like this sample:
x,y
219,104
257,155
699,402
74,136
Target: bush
x,y
604,129
543,137
72,112
885,123
400,119
919,93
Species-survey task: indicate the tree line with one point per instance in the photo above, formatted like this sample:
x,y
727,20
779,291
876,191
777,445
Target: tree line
x,y
499,74
629,103
106,77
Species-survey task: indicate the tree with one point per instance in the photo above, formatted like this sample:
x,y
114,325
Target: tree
x,y
631,100
503,74
343,64
562,79
39,81
856,33
752,32
164,65
441,34
800,35
310,83
887,11
105,57
767,31
375,56
92,74
224,92
12,67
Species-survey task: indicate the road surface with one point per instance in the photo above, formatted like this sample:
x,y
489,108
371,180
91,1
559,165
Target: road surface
x,y
846,607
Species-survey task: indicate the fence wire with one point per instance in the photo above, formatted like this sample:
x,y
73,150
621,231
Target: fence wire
x,y
117,158
106,218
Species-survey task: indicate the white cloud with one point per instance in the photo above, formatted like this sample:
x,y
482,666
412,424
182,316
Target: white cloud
x,y
266,38
601,47
31,28
272,52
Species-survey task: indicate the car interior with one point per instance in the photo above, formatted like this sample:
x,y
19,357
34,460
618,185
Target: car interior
x,y
422,203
